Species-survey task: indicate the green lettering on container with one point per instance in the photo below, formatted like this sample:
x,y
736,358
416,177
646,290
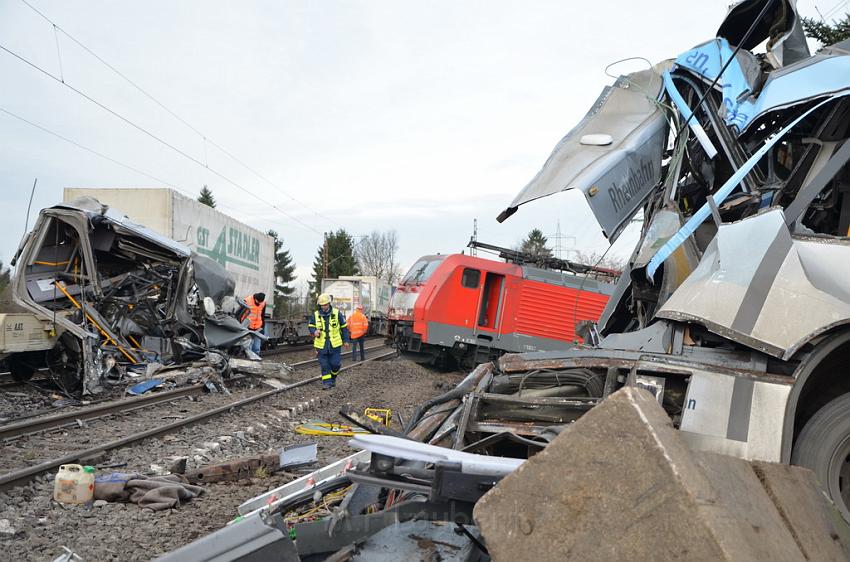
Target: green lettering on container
x,y
231,246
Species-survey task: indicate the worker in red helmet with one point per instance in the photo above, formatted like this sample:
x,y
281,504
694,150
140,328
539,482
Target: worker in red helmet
x,y
358,327
255,314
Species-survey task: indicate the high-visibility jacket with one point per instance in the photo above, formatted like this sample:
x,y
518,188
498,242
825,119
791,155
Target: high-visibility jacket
x,y
255,313
334,329
358,324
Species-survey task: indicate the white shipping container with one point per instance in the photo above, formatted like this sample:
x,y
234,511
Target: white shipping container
x,y
345,295
379,291
244,251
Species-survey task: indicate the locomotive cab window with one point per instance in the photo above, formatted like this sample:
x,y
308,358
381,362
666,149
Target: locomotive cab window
x,y
470,278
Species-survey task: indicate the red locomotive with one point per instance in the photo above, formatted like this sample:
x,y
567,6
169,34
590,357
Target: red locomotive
x,y
461,310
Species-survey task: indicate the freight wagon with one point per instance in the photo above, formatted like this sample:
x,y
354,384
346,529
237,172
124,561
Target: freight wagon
x,y
373,294
245,252
461,310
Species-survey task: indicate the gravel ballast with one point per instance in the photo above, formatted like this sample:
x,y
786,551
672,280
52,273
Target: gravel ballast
x,y
34,527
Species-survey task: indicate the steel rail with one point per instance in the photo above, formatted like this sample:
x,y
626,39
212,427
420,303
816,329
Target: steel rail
x,y
60,420
70,418
18,477
293,348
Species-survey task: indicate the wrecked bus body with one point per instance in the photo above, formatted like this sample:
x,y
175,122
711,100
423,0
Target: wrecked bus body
x,y
110,295
735,307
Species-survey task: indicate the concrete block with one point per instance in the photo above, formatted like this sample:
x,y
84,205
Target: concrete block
x,y
815,523
621,484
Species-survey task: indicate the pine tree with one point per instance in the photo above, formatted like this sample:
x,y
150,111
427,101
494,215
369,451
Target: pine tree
x,y
4,277
827,34
535,245
206,197
340,260
284,274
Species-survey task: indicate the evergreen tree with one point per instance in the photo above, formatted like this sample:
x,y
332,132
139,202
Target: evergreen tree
x,y
4,277
535,246
206,197
826,33
340,260
284,274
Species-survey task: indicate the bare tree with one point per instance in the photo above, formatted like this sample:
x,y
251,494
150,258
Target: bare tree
x,y
598,259
377,255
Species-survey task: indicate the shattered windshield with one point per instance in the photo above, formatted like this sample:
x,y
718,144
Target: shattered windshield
x,y
421,270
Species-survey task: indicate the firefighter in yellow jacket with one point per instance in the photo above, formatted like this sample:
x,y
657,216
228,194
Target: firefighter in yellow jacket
x,y
329,331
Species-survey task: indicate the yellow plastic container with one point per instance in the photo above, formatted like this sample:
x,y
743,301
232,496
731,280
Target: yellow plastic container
x,y
74,484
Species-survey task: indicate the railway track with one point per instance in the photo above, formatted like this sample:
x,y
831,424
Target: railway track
x,y
73,417
13,431
292,348
6,380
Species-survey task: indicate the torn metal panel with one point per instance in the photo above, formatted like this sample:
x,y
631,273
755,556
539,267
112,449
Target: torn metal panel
x,y
734,415
617,173
211,278
106,285
782,27
657,337
740,79
811,79
758,285
307,483
261,537
722,193
417,540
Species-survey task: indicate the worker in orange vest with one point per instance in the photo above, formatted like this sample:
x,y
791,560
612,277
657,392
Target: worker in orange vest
x,y
255,314
358,326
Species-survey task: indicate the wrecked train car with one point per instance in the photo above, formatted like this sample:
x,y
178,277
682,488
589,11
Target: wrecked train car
x,y
735,308
734,312
105,294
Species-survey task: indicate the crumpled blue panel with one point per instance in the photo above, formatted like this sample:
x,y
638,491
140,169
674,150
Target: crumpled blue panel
x,y
706,60
144,386
811,79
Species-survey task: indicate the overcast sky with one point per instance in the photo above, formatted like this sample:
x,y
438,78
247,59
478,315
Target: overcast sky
x,y
413,116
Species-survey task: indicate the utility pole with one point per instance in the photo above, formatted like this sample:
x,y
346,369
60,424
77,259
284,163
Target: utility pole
x,y
558,240
474,250
325,258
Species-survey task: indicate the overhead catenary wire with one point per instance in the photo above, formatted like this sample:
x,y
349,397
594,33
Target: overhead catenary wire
x,y
95,152
835,9
157,138
87,149
165,108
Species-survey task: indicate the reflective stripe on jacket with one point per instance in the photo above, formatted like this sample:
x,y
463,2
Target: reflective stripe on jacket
x,y
358,324
255,313
335,329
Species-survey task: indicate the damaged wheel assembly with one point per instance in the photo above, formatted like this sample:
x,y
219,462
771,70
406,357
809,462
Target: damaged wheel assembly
x,y
824,447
